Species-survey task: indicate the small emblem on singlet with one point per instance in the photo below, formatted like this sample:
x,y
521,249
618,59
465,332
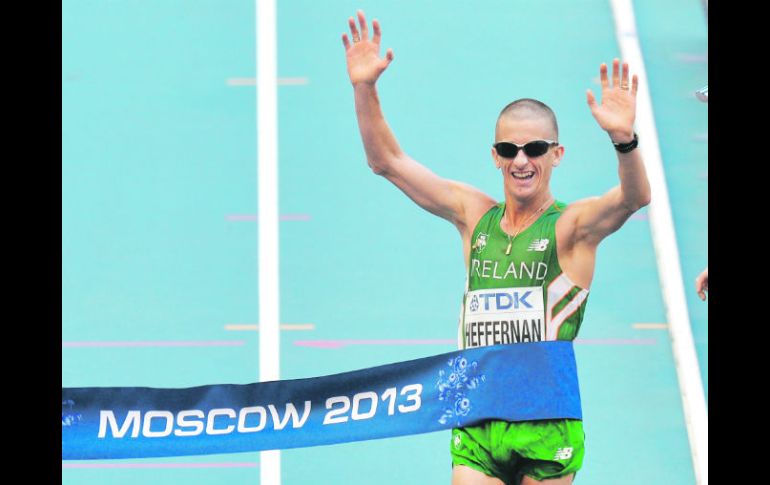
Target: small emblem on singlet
x,y
474,303
538,245
481,242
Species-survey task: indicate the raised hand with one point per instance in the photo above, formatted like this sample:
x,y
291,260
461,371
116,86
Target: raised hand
x,y
702,284
363,56
617,110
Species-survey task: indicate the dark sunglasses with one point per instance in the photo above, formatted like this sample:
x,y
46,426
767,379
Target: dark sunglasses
x,y
532,149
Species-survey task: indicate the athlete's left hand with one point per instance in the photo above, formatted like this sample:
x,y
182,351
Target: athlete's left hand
x,y
702,284
617,110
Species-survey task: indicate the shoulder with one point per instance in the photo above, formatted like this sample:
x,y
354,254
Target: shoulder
x,y
475,204
567,224
574,209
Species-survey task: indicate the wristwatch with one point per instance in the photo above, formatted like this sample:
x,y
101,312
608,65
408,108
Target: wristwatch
x,y
627,147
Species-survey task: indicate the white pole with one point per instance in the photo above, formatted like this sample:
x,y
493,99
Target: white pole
x,y
667,254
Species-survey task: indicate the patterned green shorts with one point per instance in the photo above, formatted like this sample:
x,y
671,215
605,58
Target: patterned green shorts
x,y
508,451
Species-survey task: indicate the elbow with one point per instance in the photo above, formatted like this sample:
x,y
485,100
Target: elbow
x,y
645,199
380,165
638,202
377,169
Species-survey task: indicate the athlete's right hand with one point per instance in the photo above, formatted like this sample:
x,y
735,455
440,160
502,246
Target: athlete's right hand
x,y
363,54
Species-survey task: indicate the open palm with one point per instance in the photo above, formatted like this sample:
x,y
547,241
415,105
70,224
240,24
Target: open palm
x,y
363,55
617,110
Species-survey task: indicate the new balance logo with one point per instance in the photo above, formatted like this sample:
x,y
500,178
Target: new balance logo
x,y
538,245
563,454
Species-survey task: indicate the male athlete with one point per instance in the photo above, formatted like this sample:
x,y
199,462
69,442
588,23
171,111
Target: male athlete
x,y
540,250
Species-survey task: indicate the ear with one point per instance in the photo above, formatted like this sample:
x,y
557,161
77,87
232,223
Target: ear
x,y
495,158
559,152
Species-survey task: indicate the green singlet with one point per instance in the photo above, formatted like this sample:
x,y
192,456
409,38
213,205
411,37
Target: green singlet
x,y
516,292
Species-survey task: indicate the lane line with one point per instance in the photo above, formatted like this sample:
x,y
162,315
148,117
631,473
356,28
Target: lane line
x,y
267,212
158,465
689,58
253,217
284,326
650,326
703,137
157,343
616,341
282,81
666,249
337,344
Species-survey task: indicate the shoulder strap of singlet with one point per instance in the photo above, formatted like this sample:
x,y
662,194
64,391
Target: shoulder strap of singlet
x,y
485,223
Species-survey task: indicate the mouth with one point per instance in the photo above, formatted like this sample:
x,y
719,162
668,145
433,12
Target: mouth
x,y
523,175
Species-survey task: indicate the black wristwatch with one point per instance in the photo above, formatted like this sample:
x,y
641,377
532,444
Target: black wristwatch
x,y
627,147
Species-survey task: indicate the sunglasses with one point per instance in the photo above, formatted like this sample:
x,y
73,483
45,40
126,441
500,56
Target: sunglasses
x,y
532,149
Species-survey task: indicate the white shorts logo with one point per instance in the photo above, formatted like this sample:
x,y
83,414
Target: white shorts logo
x,y
563,454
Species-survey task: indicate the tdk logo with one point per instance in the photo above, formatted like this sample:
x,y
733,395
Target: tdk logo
x,y
503,301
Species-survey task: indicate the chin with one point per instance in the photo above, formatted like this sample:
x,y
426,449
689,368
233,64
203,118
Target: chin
x,y
523,194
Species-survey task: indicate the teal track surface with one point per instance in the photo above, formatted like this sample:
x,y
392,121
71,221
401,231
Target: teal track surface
x,y
159,156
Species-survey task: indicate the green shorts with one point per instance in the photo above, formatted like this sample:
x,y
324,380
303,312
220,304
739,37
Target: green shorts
x,y
508,451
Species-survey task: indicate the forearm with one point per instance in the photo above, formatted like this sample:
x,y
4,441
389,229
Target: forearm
x,y
634,186
380,144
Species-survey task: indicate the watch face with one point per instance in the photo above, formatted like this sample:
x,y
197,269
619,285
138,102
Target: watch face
x,y
627,147
634,140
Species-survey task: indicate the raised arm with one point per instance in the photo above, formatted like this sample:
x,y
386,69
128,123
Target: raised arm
x,y
451,200
598,217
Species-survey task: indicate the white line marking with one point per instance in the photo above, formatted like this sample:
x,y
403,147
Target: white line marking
x,y
667,254
267,205
293,81
242,81
283,326
650,326
701,137
282,81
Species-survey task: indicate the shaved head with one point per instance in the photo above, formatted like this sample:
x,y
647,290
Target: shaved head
x,y
527,108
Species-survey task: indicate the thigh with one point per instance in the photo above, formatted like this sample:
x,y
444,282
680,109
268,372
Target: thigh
x,y
551,481
464,475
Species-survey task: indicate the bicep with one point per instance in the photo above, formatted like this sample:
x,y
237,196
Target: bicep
x,y
448,199
598,217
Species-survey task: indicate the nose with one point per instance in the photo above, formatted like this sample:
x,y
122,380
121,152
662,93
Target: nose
x,y
520,160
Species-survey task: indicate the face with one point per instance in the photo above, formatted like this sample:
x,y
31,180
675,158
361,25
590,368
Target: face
x,y
525,178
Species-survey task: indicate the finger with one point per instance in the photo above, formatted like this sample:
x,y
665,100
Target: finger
x,y
634,84
353,28
615,77
702,295
364,28
603,75
345,42
624,75
377,32
591,99
389,56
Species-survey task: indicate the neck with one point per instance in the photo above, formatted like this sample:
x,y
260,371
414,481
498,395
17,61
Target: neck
x,y
518,212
